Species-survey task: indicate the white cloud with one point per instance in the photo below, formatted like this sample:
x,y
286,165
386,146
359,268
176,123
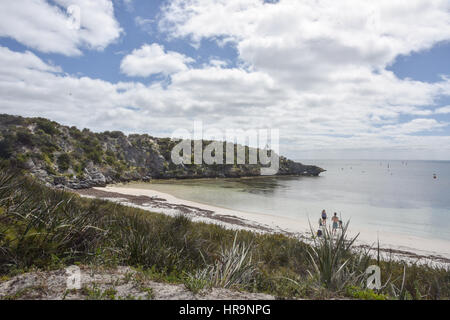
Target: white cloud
x,y
443,110
316,70
12,60
144,24
222,98
374,32
43,26
330,58
305,43
413,126
151,59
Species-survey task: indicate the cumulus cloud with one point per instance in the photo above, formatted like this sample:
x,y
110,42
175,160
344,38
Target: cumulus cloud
x,y
316,70
45,27
152,59
306,43
11,61
222,98
329,58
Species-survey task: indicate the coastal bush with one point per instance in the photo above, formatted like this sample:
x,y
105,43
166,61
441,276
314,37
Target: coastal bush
x,y
7,120
24,136
64,162
21,159
47,126
95,156
75,133
6,147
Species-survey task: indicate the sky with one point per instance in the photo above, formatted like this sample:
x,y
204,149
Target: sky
x,y
346,79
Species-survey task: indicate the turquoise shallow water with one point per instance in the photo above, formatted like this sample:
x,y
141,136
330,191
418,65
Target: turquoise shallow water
x,y
395,196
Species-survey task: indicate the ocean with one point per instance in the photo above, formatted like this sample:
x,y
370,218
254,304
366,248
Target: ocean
x,y
401,197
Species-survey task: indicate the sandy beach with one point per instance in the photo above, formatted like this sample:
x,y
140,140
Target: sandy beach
x,y
411,249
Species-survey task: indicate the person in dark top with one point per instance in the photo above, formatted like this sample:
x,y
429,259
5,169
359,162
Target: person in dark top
x,y
324,217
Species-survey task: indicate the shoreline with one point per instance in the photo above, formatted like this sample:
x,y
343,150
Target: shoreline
x,y
409,248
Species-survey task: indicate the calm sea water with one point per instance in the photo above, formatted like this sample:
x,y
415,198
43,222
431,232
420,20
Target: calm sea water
x,y
395,196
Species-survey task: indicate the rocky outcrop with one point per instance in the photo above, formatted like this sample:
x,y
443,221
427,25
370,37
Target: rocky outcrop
x,y
66,157
296,168
92,178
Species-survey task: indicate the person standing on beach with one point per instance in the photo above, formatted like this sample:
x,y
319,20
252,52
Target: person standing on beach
x,y
324,217
335,220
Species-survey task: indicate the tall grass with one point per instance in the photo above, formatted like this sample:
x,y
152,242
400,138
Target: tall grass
x,y
164,242
37,224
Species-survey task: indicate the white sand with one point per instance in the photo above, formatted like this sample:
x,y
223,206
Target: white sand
x,y
388,240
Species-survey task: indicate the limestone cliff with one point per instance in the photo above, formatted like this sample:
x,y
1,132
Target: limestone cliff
x,y
68,157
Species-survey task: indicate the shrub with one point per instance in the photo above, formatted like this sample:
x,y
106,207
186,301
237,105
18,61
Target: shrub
x,y
116,134
25,137
47,126
6,119
21,159
95,156
64,162
6,148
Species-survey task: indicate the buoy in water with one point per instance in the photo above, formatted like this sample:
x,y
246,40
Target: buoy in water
x,y
434,176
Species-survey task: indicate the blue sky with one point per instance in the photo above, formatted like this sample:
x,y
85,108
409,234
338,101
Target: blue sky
x,y
337,79
427,65
104,64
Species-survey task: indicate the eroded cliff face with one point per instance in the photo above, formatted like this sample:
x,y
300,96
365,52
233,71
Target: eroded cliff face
x,y
67,157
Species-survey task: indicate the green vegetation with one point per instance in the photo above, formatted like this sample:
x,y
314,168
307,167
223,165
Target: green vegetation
x,y
233,267
42,228
335,263
49,127
195,284
64,162
56,151
6,147
364,294
95,293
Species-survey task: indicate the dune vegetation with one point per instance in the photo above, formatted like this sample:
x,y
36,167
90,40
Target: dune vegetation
x,y
46,229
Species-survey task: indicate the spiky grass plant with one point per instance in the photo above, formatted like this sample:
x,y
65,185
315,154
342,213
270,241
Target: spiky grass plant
x,y
234,266
335,264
